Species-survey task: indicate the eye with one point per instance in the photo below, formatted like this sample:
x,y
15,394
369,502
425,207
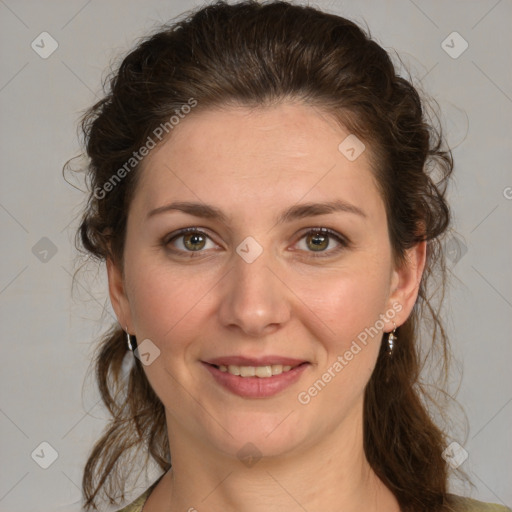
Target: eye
x,y
318,240
188,240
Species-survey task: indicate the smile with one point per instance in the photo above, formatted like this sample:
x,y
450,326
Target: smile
x,y
255,381
262,372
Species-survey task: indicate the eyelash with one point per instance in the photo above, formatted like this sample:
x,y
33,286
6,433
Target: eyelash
x,y
344,242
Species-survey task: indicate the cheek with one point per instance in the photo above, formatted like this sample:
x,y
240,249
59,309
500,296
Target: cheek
x,y
171,306
351,334
167,305
151,298
169,309
347,302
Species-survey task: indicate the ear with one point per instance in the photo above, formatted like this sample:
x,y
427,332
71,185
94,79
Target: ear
x,y
118,297
405,282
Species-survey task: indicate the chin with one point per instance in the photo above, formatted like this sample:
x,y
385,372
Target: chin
x,y
256,435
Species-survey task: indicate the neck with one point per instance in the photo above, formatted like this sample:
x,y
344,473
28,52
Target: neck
x,y
331,474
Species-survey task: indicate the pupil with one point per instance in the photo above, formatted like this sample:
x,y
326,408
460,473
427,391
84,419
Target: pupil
x,y
319,241
193,239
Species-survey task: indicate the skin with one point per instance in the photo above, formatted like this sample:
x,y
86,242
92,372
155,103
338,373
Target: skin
x,y
253,164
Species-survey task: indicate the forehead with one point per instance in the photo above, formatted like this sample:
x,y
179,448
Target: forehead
x,y
257,156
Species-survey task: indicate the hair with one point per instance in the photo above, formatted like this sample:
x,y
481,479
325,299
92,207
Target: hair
x,y
256,55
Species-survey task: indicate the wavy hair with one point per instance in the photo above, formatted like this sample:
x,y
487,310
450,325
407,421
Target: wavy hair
x,y
257,54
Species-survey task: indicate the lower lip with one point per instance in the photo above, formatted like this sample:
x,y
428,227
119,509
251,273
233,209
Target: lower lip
x,y
256,387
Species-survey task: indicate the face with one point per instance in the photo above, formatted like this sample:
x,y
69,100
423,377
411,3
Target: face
x,y
262,275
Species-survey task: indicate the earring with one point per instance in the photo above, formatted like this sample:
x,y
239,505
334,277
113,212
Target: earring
x,y
392,340
131,340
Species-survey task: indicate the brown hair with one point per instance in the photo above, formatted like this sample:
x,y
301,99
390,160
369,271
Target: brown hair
x,y
257,54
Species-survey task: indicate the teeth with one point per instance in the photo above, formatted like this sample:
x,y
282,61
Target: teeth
x,y
255,371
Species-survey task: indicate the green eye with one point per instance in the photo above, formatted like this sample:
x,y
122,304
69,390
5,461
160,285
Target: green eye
x,y
317,240
194,241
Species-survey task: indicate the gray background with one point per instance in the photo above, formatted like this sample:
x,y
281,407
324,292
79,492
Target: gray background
x,y
47,332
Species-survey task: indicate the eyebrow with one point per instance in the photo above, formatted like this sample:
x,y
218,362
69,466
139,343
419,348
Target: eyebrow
x,y
295,212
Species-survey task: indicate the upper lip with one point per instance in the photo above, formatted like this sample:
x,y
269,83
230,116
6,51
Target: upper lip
x,y
254,361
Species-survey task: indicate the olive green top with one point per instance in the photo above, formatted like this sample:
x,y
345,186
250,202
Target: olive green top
x,y
459,503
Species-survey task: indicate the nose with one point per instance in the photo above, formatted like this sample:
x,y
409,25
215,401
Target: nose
x,y
255,299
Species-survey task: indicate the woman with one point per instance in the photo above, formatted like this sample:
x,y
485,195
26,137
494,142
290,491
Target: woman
x,y
260,193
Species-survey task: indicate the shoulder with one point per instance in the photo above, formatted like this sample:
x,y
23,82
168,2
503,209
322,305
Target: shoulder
x,y
136,506
461,504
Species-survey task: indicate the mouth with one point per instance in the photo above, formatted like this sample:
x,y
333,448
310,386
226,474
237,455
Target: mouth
x,y
262,371
256,380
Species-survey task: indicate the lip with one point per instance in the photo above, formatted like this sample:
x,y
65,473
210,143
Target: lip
x,y
256,387
255,361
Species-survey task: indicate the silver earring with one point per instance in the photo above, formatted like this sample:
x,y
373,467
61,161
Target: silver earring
x,y
131,340
392,340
